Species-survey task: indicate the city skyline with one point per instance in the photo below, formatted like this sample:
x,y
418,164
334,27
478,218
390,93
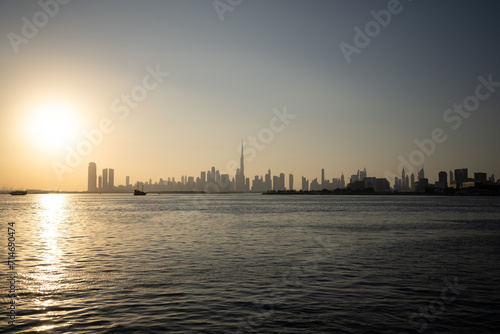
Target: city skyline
x,y
214,181
306,88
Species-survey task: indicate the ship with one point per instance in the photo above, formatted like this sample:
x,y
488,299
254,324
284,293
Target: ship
x,y
137,192
18,192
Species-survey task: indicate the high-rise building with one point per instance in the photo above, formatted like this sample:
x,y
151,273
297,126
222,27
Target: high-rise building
x,y
461,175
100,183
242,164
105,179
315,185
403,179
217,177
269,181
451,177
342,181
92,177
111,179
225,183
290,182
240,174
276,181
412,180
362,175
443,177
282,182
305,184
322,177
421,174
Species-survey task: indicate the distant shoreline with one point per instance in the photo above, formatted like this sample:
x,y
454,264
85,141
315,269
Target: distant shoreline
x,y
464,192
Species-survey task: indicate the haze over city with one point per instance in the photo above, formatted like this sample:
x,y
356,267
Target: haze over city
x,y
249,166
167,89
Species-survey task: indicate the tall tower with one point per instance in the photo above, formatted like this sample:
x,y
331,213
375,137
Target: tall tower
x,y
242,165
421,174
111,179
105,179
322,178
92,177
403,177
240,174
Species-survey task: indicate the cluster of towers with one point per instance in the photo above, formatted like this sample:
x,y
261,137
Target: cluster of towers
x,y
105,181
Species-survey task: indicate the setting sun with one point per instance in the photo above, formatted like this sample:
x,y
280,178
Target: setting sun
x,y
53,125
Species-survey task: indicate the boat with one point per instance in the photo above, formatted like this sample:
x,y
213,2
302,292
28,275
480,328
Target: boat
x,y
18,192
137,192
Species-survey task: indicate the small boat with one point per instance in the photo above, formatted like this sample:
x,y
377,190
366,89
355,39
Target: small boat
x,y
137,192
18,192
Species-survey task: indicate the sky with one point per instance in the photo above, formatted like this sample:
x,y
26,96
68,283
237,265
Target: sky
x,y
158,89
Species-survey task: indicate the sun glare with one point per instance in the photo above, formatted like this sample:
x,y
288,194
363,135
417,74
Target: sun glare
x,y
54,125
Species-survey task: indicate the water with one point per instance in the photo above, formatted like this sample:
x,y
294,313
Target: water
x,y
252,264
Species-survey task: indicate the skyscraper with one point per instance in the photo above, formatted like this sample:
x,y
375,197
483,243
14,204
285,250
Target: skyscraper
x,y
322,177
105,179
240,174
242,165
421,174
111,179
305,184
92,177
268,182
461,175
290,182
281,182
443,177
362,175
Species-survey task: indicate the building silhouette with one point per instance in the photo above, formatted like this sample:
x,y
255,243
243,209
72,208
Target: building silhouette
x,y
92,177
105,179
421,174
443,177
111,179
461,176
240,174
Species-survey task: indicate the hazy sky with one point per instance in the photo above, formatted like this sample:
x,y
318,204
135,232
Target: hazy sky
x,y
70,68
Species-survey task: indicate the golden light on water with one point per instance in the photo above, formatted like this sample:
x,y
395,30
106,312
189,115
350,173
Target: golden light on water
x,y
50,270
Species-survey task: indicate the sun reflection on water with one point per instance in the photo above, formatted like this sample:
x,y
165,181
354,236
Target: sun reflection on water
x,y
47,276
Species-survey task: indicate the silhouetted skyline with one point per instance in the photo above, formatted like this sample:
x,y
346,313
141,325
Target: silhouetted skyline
x,y
215,181
165,88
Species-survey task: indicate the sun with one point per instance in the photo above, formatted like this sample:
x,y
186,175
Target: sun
x,y
53,125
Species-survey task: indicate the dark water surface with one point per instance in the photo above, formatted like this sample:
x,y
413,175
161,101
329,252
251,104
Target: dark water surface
x,y
252,264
